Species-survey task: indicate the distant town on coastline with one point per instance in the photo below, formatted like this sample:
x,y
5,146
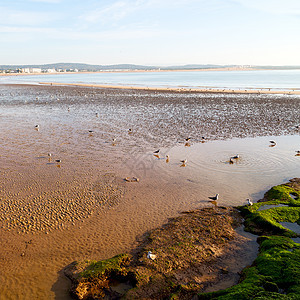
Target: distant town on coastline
x,y
79,67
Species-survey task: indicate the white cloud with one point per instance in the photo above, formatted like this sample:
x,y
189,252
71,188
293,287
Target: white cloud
x,y
25,18
115,11
67,34
46,1
120,9
291,7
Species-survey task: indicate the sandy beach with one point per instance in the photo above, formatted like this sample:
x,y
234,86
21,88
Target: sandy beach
x,y
75,204
182,90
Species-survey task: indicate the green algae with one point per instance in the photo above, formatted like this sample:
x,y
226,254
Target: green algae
x,y
282,194
117,264
267,221
275,274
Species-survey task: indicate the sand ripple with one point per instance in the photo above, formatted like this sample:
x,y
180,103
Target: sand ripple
x,y
57,209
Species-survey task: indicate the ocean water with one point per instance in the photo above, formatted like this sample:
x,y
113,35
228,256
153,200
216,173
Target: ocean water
x,y
269,79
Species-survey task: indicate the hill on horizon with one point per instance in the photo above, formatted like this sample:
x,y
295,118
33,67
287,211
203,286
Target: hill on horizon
x,y
94,68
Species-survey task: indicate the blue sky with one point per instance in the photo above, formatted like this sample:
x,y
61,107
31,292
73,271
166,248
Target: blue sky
x,y
150,32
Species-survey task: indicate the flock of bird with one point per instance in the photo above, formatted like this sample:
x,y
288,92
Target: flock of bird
x,y
215,198
183,162
236,157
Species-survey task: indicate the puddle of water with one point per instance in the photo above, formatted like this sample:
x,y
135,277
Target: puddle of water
x,y
208,172
293,196
291,226
245,257
265,207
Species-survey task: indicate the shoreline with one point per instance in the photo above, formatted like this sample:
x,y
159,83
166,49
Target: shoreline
x,y
135,71
211,90
179,88
182,89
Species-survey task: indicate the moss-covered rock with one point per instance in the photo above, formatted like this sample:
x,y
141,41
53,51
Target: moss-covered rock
x,y
93,279
266,222
186,248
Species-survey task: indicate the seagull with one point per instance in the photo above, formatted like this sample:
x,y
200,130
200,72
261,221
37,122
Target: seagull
x,y
235,157
184,161
150,255
58,160
129,130
215,198
114,140
273,143
231,161
298,151
97,115
91,131
49,154
157,151
249,202
188,138
37,126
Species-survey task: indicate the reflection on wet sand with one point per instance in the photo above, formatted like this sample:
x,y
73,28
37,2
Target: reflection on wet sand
x,y
74,204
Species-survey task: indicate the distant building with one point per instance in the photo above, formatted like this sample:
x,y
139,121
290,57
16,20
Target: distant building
x,y
51,71
31,70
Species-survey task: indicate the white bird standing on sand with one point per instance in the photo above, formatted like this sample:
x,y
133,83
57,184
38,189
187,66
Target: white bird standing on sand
x,y
215,198
150,255
184,161
249,202
236,157
49,154
37,126
157,151
273,143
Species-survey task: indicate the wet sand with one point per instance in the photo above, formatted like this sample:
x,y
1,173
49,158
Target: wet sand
x,y
54,213
182,90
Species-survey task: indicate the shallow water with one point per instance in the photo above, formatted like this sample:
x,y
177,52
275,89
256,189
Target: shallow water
x,y
268,79
265,207
54,213
291,226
